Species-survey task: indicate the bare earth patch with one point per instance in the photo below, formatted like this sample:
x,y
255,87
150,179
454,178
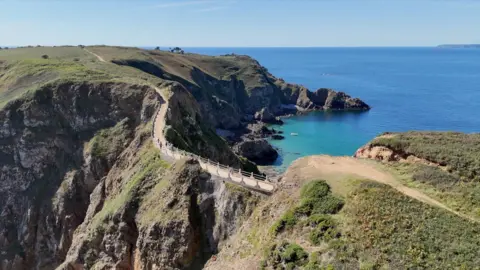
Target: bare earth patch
x,y
333,169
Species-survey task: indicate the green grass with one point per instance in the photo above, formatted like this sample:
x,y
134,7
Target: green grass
x,y
443,186
458,151
65,53
285,256
315,200
106,142
24,70
165,203
324,229
149,165
390,230
378,228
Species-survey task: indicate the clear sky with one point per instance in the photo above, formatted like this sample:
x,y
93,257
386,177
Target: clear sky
x,y
240,23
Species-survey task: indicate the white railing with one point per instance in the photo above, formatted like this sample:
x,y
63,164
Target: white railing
x,y
235,176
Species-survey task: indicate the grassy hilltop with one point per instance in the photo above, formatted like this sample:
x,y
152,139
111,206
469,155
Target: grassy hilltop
x,y
447,167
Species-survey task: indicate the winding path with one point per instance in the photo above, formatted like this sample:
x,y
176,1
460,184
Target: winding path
x,y
249,180
96,55
235,176
327,166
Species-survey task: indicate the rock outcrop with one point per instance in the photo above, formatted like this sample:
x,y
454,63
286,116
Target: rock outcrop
x,y
258,151
171,220
232,88
46,176
73,171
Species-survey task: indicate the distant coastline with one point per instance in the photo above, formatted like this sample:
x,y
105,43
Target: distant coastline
x,y
477,46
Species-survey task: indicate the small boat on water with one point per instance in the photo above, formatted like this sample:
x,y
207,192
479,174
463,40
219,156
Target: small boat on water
x,y
294,134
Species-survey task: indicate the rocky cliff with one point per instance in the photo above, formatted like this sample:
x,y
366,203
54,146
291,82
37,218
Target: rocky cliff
x,y
46,175
233,88
81,185
77,160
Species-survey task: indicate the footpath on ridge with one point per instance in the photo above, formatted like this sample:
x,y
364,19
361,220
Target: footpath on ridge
x,y
236,176
249,180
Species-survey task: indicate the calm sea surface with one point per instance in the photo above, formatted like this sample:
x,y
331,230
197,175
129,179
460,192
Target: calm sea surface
x,y
408,89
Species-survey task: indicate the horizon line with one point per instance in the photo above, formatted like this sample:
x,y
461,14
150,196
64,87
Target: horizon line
x,y
254,47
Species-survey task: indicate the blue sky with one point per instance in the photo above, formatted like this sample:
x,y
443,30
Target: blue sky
x,y
240,23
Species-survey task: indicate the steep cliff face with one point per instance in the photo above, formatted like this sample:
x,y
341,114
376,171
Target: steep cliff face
x,y
78,169
187,129
46,176
233,88
169,218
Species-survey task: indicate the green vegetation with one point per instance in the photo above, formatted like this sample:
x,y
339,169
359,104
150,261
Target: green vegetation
x,y
165,202
107,142
377,228
315,201
460,152
324,229
443,186
64,53
456,183
287,254
434,176
286,222
291,256
390,230
149,166
24,70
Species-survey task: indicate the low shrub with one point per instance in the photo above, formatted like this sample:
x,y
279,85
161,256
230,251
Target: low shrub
x,y
285,256
434,176
287,221
324,231
315,199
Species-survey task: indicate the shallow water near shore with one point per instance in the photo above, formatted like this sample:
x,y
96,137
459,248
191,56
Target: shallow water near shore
x,y
407,88
333,133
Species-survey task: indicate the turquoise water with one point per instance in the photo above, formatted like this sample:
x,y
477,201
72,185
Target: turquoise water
x,y
408,89
332,133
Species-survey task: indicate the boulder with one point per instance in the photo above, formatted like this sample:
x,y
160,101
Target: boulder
x,y
258,151
266,116
259,130
277,137
342,101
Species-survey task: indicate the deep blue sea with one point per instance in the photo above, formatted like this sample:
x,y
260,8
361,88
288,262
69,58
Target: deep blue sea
x,y
407,88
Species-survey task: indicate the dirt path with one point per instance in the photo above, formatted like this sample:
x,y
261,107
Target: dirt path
x,y
96,55
340,167
160,118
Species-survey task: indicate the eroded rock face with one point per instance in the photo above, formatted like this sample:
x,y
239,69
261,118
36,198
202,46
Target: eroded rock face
x,y
192,217
258,151
232,89
46,177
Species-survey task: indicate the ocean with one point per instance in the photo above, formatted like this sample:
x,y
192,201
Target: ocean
x,y
407,88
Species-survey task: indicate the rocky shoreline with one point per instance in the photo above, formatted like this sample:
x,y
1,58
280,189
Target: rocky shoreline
x,y
256,132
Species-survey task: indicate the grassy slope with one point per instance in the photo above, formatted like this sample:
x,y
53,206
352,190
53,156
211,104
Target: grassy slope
x,y
460,152
377,228
24,70
148,167
459,186
181,65
383,227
